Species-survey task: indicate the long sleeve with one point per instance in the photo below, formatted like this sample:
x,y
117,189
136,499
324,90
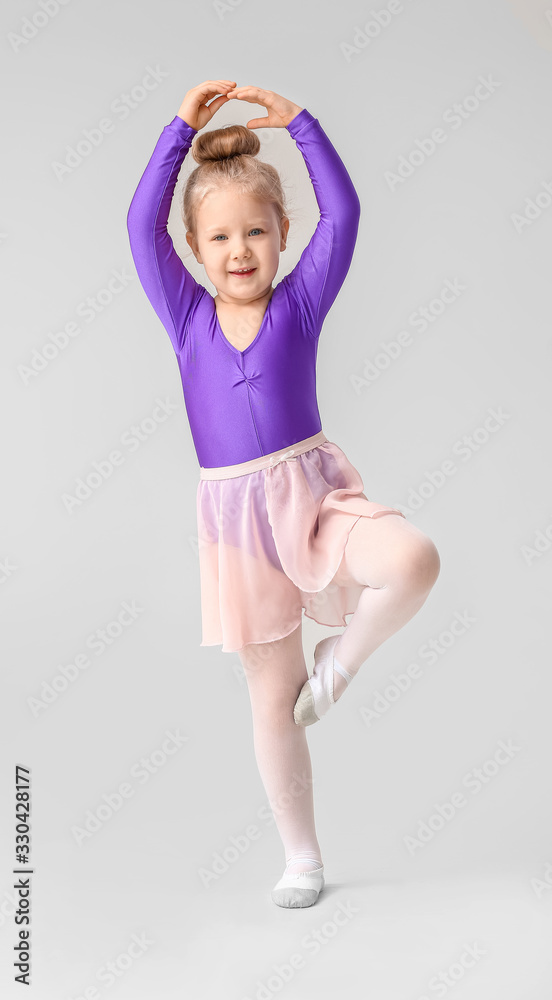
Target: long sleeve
x,y
323,265
169,286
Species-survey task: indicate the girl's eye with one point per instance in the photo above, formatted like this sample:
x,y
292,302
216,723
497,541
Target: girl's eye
x,y
256,229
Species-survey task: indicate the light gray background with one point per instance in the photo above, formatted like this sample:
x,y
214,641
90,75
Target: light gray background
x,y
480,879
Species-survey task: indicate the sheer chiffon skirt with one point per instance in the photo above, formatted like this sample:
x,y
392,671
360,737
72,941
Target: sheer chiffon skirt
x,y
270,542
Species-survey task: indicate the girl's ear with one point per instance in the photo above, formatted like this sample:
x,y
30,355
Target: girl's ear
x,y
192,242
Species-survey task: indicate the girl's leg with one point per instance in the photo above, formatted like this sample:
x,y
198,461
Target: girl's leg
x,y
275,673
397,564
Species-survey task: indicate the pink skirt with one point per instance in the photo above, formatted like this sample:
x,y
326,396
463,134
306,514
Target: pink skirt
x,y
271,536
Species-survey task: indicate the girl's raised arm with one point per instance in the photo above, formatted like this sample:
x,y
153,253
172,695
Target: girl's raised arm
x,y
323,265
170,287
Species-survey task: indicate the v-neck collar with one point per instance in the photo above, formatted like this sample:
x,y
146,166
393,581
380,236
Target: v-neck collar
x,y
259,331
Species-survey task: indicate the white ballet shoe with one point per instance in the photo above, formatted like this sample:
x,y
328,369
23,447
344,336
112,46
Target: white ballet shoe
x,y
299,888
317,694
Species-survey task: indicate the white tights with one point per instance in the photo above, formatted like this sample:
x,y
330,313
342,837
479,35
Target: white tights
x,y
397,564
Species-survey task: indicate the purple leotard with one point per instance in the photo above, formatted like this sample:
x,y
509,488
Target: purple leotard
x,y
245,404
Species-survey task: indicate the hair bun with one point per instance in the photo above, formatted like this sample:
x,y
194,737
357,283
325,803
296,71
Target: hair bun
x,y
224,143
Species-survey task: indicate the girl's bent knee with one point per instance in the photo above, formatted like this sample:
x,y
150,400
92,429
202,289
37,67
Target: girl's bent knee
x,y
428,562
419,564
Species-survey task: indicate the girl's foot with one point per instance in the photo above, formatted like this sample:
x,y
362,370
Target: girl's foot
x,y
317,694
299,888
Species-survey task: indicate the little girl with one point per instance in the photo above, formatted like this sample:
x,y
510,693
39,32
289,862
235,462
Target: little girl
x,y
283,523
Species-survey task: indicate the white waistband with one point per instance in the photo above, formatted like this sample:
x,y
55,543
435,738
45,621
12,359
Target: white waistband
x,y
264,461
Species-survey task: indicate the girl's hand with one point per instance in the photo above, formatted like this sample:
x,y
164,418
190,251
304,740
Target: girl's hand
x,y
280,110
195,111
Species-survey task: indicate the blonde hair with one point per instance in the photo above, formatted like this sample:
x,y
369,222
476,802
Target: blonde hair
x,y
228,156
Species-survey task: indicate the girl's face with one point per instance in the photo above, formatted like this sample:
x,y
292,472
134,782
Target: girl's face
x,y
236,231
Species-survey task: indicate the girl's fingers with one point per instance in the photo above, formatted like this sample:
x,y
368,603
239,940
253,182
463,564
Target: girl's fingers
x,y
255,95
214,86
250,90
257,123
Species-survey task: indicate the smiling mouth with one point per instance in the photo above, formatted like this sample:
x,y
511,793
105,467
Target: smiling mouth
x,y
240,272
